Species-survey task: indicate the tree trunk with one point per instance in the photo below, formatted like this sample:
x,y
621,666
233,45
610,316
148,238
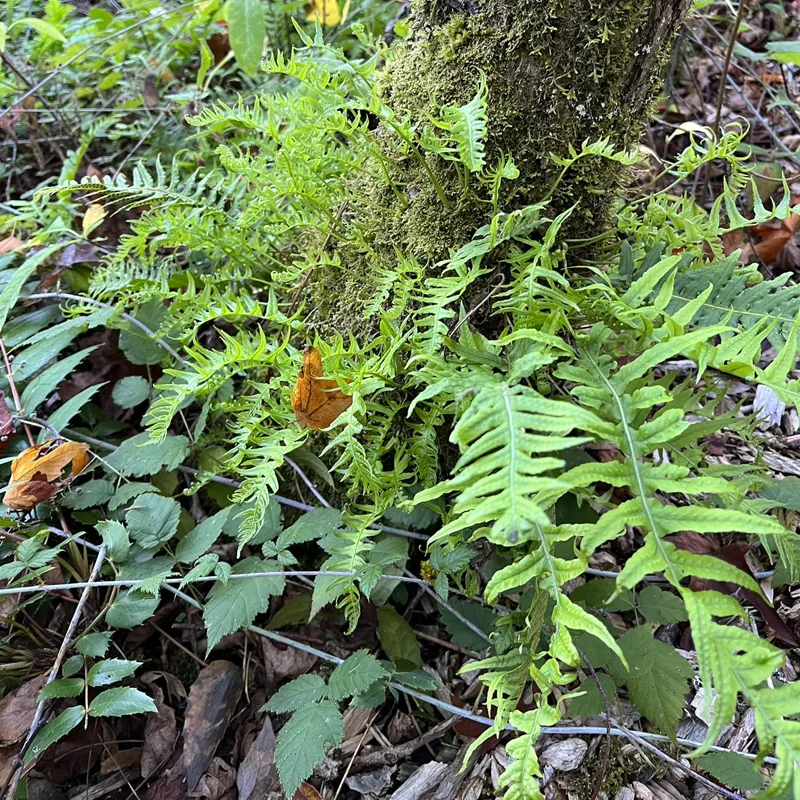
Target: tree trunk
x,y
558,72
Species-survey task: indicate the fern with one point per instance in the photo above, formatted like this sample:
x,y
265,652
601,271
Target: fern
x,y
465,127
739,296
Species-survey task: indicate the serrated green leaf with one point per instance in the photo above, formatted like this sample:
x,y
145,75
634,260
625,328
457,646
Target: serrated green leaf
x,y
139,348
130,391
115,538
658,679
732,770
590,703
12,289
93,645
88,495
784,492
355,675
153,520
149,574
131,609
120,702
33,358
64,687
297,694
200,539
128,492
139,456
311,527
236,604
202,569
72,666
62,416
416,679
302,742
54,730
661,607
111,670
597,592
372,698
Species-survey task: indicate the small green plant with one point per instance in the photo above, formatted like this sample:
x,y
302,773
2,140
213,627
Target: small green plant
x,y
82,674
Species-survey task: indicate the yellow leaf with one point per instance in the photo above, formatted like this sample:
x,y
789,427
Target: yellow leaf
x,y
317,401
323,11
36,473
94,215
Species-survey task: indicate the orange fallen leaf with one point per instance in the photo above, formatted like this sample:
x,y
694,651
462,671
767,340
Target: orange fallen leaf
x,y
307,792
317,401
36,473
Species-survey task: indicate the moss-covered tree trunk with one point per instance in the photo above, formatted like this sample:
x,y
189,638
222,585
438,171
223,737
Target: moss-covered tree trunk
x,y
558,72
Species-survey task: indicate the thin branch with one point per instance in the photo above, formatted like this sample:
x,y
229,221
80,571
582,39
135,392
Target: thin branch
x,y
556,730
151,334
285,501
58,587
457,614
13,386
636,737
307,481
62,652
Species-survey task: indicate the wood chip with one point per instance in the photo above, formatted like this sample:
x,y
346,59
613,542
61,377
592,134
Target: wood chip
x,y
782,464
425,779
565,756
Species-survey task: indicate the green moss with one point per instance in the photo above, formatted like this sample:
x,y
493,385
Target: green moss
x,y
624,765
557,73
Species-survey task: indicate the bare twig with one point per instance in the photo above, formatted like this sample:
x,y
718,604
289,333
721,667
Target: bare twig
x,y
142,327
307,481
555,730
637,737
726,64
62,652
457,614
13,387
284,501
58,587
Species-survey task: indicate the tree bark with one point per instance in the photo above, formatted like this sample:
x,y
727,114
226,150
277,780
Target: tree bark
x,y
558,72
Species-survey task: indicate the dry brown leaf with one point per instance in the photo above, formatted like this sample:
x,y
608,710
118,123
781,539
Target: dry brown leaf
x,y
217,783
160,732
212,701
317,401
307,792
7,428
36,474
257,776
17,709
10,244
219,45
